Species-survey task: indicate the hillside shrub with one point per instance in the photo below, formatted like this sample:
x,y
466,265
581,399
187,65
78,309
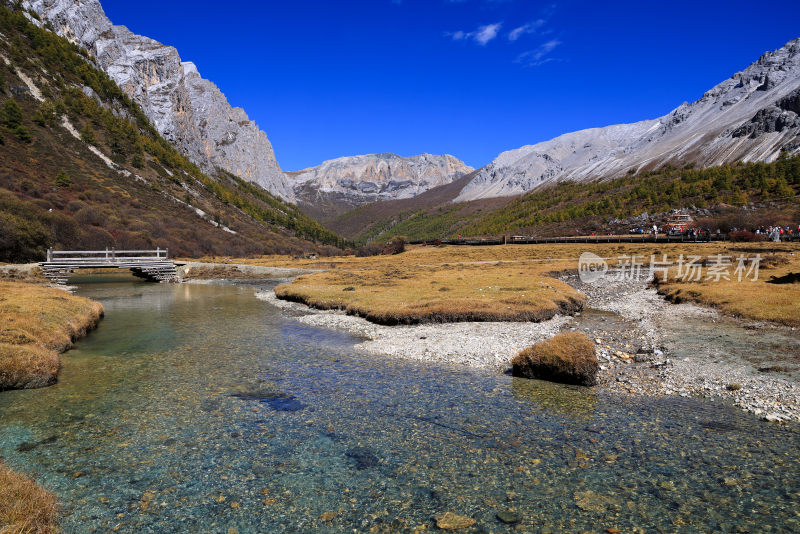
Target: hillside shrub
x,y
396,246
372,249
22,133
21,239
89,215
746,236
11,114
62,180
87,135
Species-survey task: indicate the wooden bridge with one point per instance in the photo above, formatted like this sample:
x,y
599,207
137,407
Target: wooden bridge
x,y
153,265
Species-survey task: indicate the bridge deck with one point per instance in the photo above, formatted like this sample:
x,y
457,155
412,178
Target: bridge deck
x,y
153,265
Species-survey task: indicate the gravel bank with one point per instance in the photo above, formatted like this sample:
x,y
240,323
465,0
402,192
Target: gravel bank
x,y
481,344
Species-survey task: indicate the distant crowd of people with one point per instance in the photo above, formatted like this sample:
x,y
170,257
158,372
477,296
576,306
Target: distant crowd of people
x,y
778,233
690,233
772,233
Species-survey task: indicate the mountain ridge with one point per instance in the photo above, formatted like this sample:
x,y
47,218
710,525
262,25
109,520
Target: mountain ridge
x,y
701,132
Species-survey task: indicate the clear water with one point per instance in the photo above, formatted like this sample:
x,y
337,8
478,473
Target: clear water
x,y
198,408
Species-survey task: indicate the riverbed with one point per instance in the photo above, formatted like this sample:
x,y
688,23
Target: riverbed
x,y
200,408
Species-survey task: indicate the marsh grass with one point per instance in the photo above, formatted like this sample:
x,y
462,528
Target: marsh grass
x,y
36,324
25,508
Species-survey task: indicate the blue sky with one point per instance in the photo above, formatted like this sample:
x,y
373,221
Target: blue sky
x,y
470,78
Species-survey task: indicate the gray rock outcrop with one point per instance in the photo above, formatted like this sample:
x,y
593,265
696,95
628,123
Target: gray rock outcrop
x,y
189,111
784,115
345,183
751,116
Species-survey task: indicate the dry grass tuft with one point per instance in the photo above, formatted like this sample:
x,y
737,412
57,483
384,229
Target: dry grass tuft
x,y
25,508
36,323
568,357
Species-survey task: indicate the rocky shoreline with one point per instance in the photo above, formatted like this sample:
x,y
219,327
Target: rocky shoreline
x,y
648,350
637,334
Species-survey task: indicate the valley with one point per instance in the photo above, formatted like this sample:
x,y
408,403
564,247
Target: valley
x,y
333,351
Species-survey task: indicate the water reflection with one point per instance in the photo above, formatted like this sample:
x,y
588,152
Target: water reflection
x,y
198,408
575,402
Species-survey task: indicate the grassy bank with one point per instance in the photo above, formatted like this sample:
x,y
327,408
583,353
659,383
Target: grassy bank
x,y
774,296
24,506
427,284
403,285
409,295
36,324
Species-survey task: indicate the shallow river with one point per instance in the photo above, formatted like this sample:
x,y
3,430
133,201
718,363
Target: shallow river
x,y
198,408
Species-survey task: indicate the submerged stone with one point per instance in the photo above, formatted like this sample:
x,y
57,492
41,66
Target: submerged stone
x,y
507,517
280,402
363,457
451,521
285,404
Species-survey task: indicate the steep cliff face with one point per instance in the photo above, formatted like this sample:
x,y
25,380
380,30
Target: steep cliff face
x,y
344,183
189,111
751,116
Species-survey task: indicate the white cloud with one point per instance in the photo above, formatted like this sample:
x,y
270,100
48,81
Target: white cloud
x,y
482,35
530,27
537,56
487,33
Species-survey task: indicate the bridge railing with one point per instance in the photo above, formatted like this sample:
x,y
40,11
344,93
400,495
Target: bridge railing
x,y
110,255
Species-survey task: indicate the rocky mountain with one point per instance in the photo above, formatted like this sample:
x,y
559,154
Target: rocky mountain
x,y
341,184
82,168
189,111
752,116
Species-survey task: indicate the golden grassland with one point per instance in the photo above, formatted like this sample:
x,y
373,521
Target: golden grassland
x,y
414,294
36,324
405,279
25,508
